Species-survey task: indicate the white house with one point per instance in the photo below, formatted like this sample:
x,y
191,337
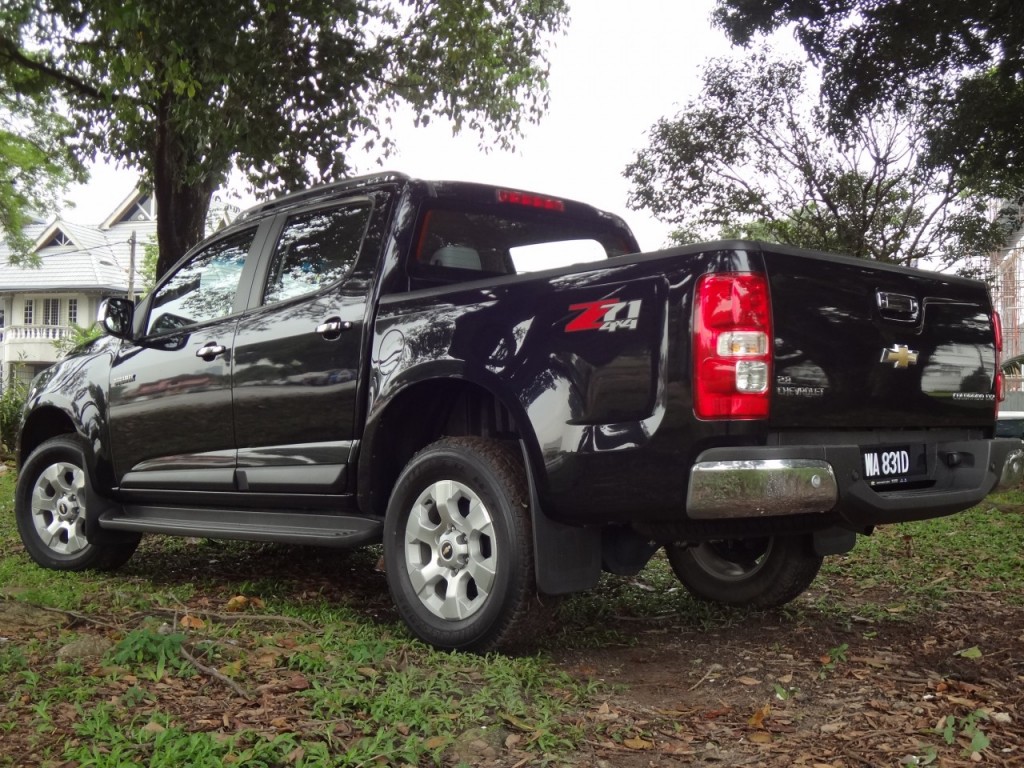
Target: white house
x,y
79,265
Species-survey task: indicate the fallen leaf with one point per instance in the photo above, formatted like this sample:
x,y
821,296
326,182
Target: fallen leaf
x,y
512,740
757,719
748,680
832,727
638,743
367,672
761,737
191,622
786,679
236,603
295,755
974,652
152,727
435,742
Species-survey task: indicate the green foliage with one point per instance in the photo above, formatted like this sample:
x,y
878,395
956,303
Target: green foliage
x,y
965,59
283,91
36,162
12,400
751,157
78,337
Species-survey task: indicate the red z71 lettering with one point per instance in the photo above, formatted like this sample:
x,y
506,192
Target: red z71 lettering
x,y
605,315
591,315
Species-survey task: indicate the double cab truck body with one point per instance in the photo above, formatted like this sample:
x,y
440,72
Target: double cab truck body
x,y
499,388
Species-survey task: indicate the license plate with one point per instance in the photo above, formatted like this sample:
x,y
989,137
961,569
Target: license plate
x,y
892,464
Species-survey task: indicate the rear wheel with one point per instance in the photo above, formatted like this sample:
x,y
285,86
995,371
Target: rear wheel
x,y
758,573
51,509
458,547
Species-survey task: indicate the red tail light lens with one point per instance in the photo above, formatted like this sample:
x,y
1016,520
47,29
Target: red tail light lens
x,y
530,201
1000,379
732,347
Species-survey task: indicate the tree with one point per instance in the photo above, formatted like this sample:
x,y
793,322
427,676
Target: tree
x,y
284,90
35,163
963,57
750,157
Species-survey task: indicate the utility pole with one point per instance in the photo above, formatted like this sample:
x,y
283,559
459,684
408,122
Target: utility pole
x,y
131,267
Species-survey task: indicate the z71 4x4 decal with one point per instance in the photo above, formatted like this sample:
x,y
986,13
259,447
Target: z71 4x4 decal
x,y
605,315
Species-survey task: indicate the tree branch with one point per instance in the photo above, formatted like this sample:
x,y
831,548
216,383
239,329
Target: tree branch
x,y
10,51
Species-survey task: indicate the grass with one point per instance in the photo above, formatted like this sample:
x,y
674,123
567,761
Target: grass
x,y
333,679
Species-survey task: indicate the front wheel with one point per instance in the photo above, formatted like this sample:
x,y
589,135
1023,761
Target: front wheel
x,y
757,573
458,546
51,509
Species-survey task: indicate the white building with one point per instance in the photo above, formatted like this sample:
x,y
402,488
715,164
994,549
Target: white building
x,y
79,265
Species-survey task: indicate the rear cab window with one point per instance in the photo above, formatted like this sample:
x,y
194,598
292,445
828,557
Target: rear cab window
x,y
458,241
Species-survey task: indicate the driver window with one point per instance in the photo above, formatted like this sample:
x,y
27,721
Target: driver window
x,y
203,289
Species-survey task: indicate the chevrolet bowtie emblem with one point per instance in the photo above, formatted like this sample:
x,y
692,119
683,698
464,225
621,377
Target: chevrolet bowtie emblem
x,y
900,356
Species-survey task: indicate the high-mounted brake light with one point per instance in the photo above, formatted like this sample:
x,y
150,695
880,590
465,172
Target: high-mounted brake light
x,y
732,346
530,201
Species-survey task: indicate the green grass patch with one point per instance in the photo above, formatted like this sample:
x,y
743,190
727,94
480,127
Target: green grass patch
x,y
314,670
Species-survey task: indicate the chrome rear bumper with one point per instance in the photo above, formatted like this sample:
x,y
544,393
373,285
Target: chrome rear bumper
x,y
760,488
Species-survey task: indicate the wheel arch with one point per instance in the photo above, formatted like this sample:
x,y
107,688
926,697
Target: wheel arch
x,y
42,424
419,414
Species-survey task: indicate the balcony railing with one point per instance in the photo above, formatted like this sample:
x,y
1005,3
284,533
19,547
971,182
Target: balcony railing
x,y
34,333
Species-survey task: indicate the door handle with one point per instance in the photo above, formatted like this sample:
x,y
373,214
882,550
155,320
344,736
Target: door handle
x,y
210,350
332,327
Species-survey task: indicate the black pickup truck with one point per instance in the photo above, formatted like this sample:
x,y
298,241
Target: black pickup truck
x,y
501,390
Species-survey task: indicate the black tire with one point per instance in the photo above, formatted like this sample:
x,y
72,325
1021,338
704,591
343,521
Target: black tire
x,y
458,545
50,506
755,573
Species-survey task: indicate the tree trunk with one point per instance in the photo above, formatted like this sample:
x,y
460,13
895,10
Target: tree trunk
x,y
181,209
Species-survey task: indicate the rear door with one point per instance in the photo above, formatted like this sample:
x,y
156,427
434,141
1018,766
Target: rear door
x,y
296,362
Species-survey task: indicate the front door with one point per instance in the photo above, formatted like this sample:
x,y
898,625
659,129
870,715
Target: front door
x,y
170,412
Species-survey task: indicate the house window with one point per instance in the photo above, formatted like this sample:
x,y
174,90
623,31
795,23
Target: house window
x,y
29,308
59,240
72,311
1,317
51,311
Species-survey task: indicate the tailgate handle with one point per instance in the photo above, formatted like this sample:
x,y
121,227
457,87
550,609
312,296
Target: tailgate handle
x,y
897,306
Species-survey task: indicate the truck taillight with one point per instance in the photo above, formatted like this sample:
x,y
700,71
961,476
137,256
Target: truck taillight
x,y
732,346
1000,380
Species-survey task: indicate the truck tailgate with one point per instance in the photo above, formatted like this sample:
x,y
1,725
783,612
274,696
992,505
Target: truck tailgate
x,y
862,345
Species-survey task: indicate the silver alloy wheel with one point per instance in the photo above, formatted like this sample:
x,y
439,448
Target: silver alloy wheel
x,y
450,553
714,558
58,508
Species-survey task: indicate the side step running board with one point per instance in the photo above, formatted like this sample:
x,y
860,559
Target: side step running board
x,y
318,529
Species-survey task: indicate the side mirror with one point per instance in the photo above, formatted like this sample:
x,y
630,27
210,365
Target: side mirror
x,y
116,316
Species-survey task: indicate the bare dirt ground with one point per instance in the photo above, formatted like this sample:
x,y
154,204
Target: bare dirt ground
x,y
797,687
779,690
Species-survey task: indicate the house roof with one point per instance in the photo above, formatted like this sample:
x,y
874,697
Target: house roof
x,y
91,258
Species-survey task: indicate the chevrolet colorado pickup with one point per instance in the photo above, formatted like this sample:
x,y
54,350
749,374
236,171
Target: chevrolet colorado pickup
x,y
501,390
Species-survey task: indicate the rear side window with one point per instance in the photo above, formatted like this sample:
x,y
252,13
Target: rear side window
x,y
315,250
203,289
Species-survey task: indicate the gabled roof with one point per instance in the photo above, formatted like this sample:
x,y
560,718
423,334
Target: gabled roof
x,y
124,208
93,267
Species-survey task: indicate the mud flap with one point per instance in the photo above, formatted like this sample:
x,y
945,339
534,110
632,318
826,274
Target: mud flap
x,y
567,558
834,541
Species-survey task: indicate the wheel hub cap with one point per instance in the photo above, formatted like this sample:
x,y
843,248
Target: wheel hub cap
x,y
451,559
58,515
